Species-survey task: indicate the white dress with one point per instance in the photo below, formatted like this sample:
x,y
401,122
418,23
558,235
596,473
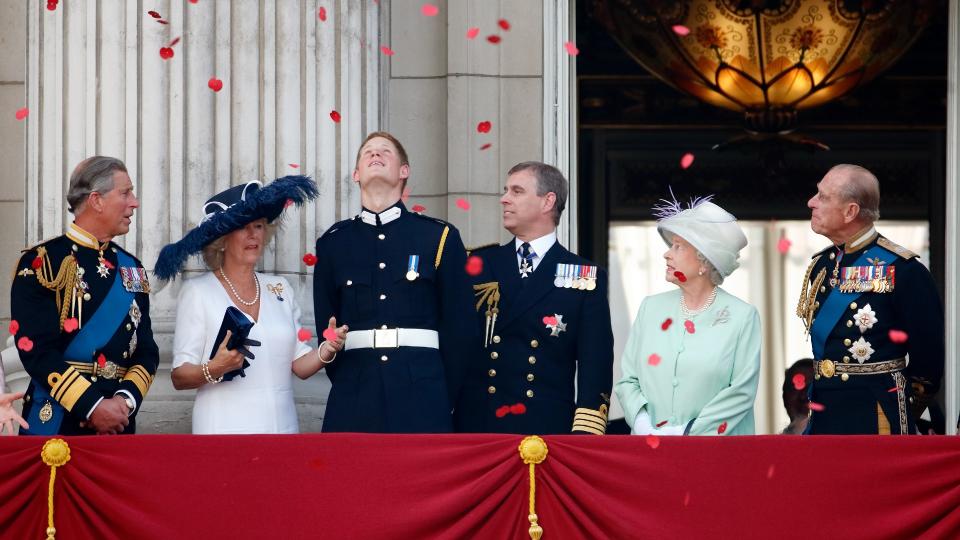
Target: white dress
x,y
261,402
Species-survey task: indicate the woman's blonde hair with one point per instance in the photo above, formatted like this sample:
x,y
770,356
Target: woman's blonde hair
x,y
213,252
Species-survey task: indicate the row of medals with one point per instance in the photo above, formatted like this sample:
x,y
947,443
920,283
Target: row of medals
x,y
878,285
570,282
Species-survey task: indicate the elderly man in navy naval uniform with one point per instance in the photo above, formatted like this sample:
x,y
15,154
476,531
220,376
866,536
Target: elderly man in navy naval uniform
x,y
81,305
547,351
397,280
873,313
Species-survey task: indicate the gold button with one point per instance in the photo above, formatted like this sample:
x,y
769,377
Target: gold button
x,y
494,355
129,326
532,359
86,296
846,359
496,339
529,393
26,398
847,342
816,376
534,343
383,265
849,324
491,389
816,305
93,378
844,377
833,256
382,236
384,358
349,282
124,354
383,297
853,305
492,373
530,377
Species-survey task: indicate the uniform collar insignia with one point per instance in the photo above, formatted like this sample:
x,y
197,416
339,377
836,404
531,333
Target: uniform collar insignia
x,y
383,218
861,239
82,237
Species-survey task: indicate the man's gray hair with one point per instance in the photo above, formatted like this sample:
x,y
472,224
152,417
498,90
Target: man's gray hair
x,y
859,186
92,175
549,179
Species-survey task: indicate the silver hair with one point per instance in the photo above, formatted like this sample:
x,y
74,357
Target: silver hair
x,y
92,175
860,186
715,276
549,180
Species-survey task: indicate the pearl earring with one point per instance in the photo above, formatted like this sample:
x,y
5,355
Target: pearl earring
x,y
700,272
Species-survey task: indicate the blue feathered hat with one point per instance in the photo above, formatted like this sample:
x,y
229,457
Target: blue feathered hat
x,y
233,209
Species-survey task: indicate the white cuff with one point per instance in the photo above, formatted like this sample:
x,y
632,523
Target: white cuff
x,y
90,412
128,394
642,424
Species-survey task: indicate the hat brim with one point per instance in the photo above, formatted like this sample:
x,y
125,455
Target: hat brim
x,y
267,202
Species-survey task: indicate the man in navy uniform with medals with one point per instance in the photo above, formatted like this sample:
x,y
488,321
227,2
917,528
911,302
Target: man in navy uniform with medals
x,y
546,323
82,305
397,279
873,313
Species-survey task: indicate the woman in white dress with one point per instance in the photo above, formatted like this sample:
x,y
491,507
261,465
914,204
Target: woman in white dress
x,y
236,228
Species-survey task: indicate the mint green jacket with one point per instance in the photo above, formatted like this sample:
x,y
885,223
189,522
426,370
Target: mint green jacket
x,y
705,380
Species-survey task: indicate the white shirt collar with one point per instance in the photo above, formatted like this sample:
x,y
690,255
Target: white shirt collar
x,y
540,246
386,216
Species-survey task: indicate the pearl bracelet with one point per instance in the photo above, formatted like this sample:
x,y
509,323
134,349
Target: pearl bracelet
x,y
206,374
320,357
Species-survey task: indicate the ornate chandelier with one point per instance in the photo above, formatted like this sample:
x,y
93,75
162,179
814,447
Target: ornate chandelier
x,y
765,58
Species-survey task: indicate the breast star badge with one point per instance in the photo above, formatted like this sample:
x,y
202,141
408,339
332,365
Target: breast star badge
x,y
102,269
865,318
861,350
555,324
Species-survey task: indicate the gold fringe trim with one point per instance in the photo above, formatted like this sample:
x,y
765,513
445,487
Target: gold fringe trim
x,y
55,453
533,450
64,284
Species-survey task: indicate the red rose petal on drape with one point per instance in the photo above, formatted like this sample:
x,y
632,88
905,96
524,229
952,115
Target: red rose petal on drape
x,y
71,324
474,265
686,499
814,406
166,53
518,408
783,245
24,344
386,50
486,146
503,411
335,116
14,327
686,161
654,359
770,471
503,23
666,323
681,277
463,204
722,428
484,127
681,30
101,360
493,38
571,48
472,32
418,208
550,320
799,381
215,84
304,334
309,259
691,328
897,336
22,113
330,334
322,14
653,441
429,10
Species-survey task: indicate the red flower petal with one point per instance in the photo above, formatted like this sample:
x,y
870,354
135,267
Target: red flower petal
x,y
503,23
897,336
166,53
722,428
519,408
161,21
686,499
653,441
330,334
894,389
101,360
52,6
572,49
107,263
418,208
288,203
472,32
294,165
486,146
215,84
36,263
22,113
174,42
406,194
680,276
304,334
309,259
770,471
799,381
24,344
550,320
154,14
322,13
681,30
503,411
484,127
71,324
429,10
493,38
474,265
816,406
661,424
463,204
386,50
654,359
783,245
194,1
691,328
666,323
686,161
14,327
335,116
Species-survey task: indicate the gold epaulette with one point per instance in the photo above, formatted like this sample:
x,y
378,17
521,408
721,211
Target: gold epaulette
x,y
590,420
807,303
483,246
895,248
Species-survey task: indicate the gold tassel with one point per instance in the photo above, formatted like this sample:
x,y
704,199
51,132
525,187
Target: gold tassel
x,y
533,450
55,453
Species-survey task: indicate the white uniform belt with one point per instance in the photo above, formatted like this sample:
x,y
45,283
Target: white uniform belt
x,y
391,338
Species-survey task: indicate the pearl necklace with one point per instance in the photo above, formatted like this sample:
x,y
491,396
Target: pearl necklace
x,y
689,314
237,296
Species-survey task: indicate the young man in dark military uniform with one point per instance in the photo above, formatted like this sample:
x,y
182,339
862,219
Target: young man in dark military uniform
x,y
546,322
81,304
873,313
397,280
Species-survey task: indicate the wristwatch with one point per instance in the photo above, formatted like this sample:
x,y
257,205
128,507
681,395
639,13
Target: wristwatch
x,y
131,404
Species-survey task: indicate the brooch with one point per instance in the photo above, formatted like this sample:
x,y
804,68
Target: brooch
x,y
276,290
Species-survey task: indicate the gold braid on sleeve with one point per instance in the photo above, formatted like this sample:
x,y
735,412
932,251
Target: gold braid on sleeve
x,y
443,240
66,282
490,293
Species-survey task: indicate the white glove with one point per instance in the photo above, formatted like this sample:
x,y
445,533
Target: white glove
x,y
671,430
642,424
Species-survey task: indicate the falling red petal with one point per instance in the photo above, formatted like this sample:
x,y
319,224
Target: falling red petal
x,y
814,406
572,49
691,328
309,259
24,344
783,245
484,127
897,336
71,324
486,146
154,14
666,323
493,38
161,21
194,1
418,208
503,23
174,42
386,50
680,276
429,10
36,263
166,53
304,335
549,320
51,6
503,411
722,428
472,32
330,334
215,84
406,194
463,204
335,116
894,389
322,13
107,263
22,113
518,408
474,265
681,30
653,441
799,381
654,359
294,165
686,161
101,360
288,203
661,424
13,327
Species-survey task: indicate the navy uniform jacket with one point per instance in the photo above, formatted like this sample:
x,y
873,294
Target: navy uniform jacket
x,y
524,380
360,278
847,327
123,356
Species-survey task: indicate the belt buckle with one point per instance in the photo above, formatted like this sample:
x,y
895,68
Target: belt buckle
x,y
386,338
828,368
109,370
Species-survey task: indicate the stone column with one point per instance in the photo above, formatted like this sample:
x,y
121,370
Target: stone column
x,y
951,294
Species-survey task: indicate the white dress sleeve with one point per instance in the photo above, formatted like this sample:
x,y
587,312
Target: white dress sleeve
x,y
191,328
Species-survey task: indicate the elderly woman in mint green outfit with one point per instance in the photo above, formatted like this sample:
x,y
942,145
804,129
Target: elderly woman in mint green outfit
x,y
692,361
